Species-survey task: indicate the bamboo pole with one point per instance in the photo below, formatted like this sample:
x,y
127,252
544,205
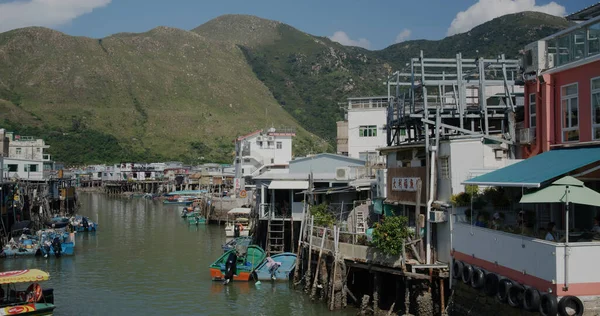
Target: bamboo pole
x,y
336,236
302,224
314,286
309,268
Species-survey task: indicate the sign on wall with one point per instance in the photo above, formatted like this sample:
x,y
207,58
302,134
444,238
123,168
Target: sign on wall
x,y
405,184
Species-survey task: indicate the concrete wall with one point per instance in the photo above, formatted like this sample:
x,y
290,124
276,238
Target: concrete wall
x,y
28,149
22,172
366,116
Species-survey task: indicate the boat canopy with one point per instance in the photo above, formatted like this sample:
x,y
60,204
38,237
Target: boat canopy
x,y
188,192
23,276
240,211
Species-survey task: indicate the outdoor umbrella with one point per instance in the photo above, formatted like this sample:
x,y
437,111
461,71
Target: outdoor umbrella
x,y
564,190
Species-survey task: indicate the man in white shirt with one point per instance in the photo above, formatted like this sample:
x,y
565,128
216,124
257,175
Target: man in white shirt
x,y
550,233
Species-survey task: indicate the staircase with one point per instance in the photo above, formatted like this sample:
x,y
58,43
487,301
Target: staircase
x,y
360,222
275,236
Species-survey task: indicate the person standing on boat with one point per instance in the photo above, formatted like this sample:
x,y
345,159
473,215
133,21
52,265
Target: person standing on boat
x,y
231,266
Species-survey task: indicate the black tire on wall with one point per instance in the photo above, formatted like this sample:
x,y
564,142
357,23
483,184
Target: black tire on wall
x,y
477,278
457,268
515,295
531,299
467,273
503,288
548,305
491,284
572,302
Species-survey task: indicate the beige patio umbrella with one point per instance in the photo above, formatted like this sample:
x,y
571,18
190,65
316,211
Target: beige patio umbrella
x,y
564,190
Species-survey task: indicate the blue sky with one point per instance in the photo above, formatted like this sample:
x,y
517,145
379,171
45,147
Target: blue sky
x,y
373,24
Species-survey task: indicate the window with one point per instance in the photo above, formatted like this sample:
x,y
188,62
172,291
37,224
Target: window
x,y
595,108
99,174
532,112
298,196
272,160
279,145
403,132
18,151
32,168
12,168
270,144
445,167
594,39
570,113
367,131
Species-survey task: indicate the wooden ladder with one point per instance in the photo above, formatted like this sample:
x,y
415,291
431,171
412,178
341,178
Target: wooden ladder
x,y
275,236
360,222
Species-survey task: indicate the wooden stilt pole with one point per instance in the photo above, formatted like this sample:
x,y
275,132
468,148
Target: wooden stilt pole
x,y
309,268
316,278
336,235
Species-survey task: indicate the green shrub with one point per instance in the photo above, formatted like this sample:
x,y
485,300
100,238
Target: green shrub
x,y
389,234
323,217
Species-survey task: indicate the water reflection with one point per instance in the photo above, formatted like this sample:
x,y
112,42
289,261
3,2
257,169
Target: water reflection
x,y
146,260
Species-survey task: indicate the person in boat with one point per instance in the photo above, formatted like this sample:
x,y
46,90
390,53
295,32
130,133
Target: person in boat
x,y
47,245
231,266
56,246
85,223
236,230
273,265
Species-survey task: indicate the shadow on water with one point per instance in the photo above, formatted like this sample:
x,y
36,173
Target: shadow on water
x,y
146,260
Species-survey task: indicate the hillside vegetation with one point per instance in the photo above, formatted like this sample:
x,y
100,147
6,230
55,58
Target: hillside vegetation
x,y
171,94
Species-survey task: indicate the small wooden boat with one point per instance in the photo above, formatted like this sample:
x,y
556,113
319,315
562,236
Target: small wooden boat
x,y
237,219
32,301
277,267
58,222
246,264
26,245
56,242
231,244
195,220
83,224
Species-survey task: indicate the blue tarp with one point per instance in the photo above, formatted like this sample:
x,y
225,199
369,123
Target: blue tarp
x,y
537,170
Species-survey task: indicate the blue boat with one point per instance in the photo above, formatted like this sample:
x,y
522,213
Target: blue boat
x,y
279,267
58,222
83,224
56,242
243,241
26,245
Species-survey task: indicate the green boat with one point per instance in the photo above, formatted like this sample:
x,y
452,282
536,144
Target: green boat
x,y
245,264
195,220
192,214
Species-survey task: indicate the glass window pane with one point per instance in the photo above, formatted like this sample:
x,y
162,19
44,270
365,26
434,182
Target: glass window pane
x,y
569,90
594,39
532,108
596,133
552,50
532,98
565,113
596,84
564,49
574,113
596,107
578,44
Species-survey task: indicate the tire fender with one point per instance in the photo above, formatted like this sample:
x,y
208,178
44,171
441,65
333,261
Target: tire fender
x,y
531,299
467,273
491,284
572,302
477,278
504,286
548,305
515,295
457,268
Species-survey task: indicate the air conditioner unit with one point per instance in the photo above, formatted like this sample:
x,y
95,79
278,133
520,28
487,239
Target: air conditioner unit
x,y
342,173
259,139
271,138
534,60
438,216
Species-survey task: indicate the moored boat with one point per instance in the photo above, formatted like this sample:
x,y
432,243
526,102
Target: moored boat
x,y
83,224
32,301
58,222
195,220
26,245
246,263
242,241
56,242
277,267
238,223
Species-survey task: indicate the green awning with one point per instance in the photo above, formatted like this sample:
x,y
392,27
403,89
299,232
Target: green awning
x,y
535,171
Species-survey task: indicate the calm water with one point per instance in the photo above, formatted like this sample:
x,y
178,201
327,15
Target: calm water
x,y
145,260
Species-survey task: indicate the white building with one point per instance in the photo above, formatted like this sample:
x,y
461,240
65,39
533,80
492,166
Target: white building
x,y
258,149
366,123
27,147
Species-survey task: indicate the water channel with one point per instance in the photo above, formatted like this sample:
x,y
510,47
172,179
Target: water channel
x,y
145,260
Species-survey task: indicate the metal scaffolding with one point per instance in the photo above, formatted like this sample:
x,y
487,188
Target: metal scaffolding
x,y
452,92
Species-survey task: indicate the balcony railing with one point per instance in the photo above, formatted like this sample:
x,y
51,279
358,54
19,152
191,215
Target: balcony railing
x,y
526,136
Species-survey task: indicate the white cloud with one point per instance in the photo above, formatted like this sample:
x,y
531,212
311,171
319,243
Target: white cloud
x,y
486,10
22,13
403,36
343,38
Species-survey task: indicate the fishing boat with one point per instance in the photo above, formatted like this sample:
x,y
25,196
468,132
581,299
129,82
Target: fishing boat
x,y
58,222
56,242
238,219
247,262
32,301
231,244
83,224
196,220
25,245
277,267
178,200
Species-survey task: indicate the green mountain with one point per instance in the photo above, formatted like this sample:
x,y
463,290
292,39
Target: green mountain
x,y
175,94
309,75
